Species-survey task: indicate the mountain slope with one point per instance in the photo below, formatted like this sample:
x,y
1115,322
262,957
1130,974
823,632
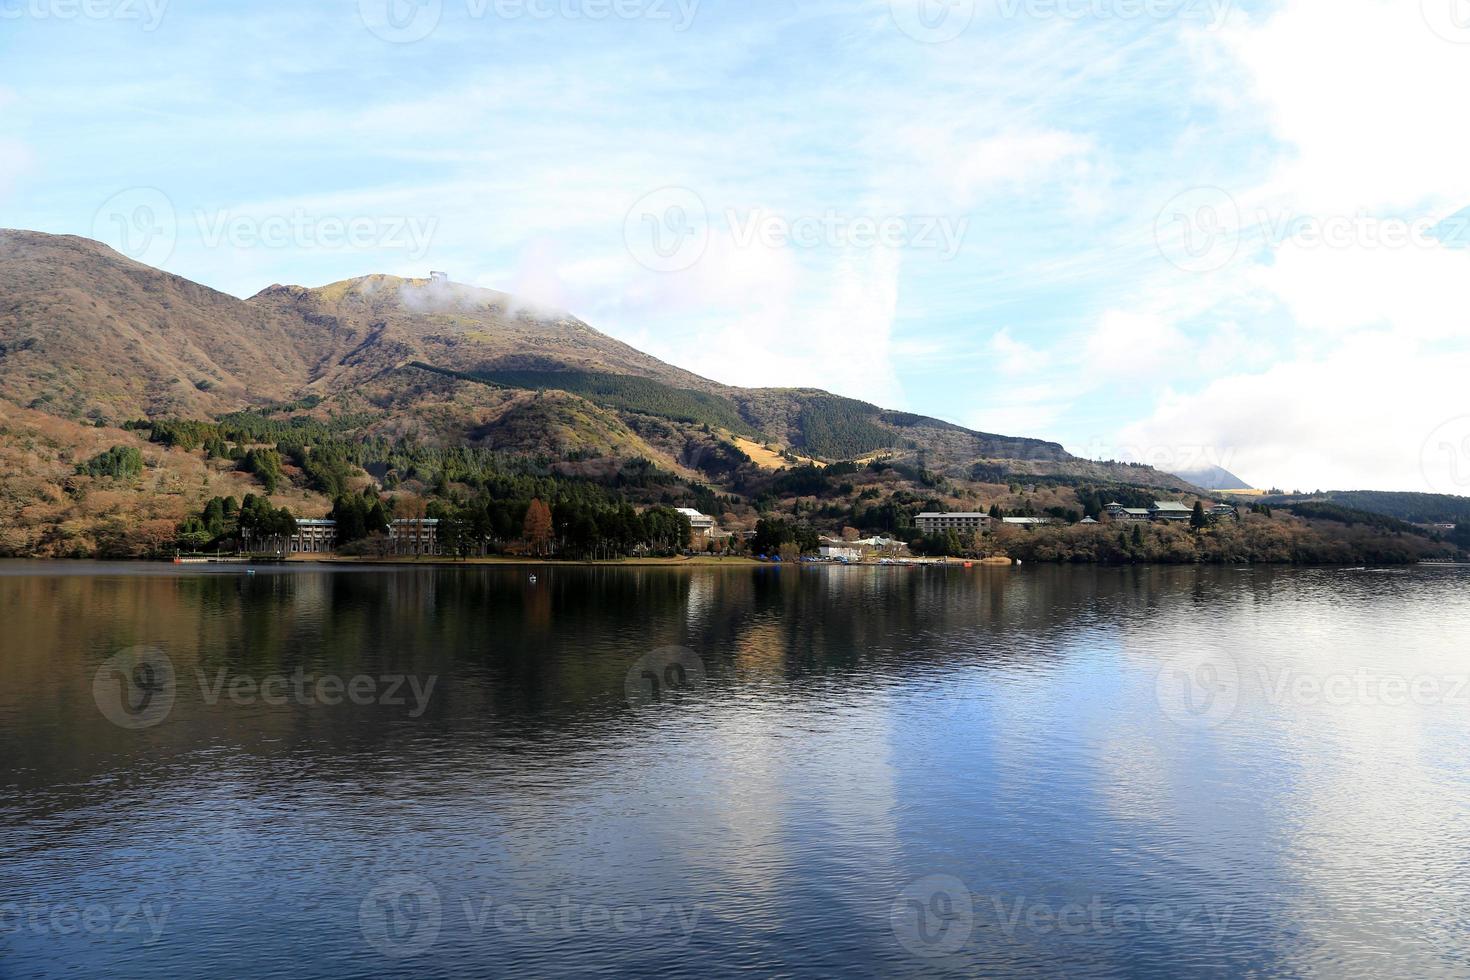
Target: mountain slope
x,y
85,332
88,334
1212,478
455,326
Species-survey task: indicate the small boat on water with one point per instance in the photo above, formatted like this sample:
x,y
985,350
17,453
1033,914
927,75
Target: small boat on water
x,y
533,579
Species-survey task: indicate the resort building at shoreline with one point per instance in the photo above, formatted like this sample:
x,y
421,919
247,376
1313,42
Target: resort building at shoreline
x,y
314,536
408,537
415,536
960,523
702,525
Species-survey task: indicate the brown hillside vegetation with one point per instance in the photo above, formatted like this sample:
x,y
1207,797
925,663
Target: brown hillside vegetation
x,y
427,388
48,510
455,326
1280,539
88,334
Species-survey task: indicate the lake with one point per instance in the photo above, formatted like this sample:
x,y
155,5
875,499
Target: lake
x,y
317,771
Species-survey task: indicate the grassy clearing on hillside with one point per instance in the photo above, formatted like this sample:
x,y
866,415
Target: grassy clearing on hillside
x,y
768,460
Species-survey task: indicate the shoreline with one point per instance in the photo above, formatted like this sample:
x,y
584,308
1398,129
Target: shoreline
x,y
697,562
701,561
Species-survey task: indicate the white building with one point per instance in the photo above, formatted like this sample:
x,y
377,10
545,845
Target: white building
x,y
1169,510
314,536
961,523
415,536
702,525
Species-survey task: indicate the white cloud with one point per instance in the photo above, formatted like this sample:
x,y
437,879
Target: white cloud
x,y
1357,418
1129,345
1362,96
1031,410
1011,356
1369,98
1417,289
763,318
1009,158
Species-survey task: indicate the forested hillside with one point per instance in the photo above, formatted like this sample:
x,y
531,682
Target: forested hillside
x,y
134,398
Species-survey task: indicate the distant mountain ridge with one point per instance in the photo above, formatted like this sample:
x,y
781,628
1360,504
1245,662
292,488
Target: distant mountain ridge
x,y
1212,478
88,334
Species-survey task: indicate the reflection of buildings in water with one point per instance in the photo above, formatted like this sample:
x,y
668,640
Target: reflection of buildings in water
x,y
847,582
700,599
412,593
310,593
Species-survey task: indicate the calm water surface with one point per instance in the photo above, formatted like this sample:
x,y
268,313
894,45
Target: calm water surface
x,y
315,772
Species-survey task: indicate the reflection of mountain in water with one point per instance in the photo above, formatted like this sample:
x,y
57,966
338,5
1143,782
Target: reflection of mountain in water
x,y
857,730
536,661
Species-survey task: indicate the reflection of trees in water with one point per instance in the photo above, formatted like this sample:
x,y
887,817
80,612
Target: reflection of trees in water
x,y
543,668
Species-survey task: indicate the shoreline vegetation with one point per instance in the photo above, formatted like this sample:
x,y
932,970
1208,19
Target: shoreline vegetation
x,y
523,437
691,561
698,562
246,485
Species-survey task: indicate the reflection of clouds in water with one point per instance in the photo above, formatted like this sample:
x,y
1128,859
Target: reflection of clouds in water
x,y
1353,822
764,790
1342,800
861,730
1379,825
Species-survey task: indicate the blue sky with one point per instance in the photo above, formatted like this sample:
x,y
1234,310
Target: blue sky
x,y
1180,231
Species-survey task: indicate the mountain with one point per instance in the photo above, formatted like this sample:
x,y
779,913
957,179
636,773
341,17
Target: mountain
x,y
436,392
1414,508
88,334
1212,478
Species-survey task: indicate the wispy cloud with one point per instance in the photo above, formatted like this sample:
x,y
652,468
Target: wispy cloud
x,y
1049,148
